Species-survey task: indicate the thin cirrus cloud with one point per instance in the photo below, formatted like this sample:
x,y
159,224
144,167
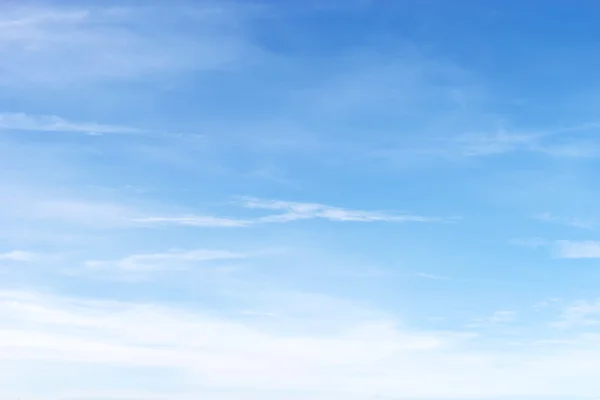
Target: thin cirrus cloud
x,y
290,211
163,261
567,249
50,45
583,223
52,123
270,296
297,211
103,214
581,143
577,249
433,277
18,256
193,221
497,318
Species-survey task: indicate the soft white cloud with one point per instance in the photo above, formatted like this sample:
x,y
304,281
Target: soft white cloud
x,y
18,255
532,243
38,205
551,142
110,213
585,223
579,314
362,358
572,249
89,213
577,249
42,43
431,276
214,351
477,145
292,211
52,123
163,261
298,211
502,316
497,318
194,220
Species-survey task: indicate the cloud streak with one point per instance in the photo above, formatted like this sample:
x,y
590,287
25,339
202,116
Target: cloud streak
x,y
291,211
19,256
577,141
500,317
434,277
577,249
575,222
197,221
51,45
42,123
294,211
171,260
566,249
92,213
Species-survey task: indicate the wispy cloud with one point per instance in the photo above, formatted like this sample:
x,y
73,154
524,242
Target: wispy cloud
x,y
163,261
563,248
497,318
577,249
45,123
194,221
51,329
19,255
114,214
434,277
213,350
477,145
532,243
298,211
60,43
292,211
570,142
579,314
83,212
586,223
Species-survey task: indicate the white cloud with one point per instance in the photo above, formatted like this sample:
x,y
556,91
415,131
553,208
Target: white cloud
x,y
62,43
362,358
570,221
570,249
51,123
215,352
577,249
18,255
297,211
551,142
38,205
83,212
431,276
34,206
292,211
497,318
476,145
533,243
195,221
502,316
579,314
163,261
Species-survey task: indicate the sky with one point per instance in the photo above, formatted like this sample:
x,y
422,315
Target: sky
x,y
299,200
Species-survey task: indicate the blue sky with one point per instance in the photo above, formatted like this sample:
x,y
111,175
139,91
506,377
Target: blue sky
x,y
299,200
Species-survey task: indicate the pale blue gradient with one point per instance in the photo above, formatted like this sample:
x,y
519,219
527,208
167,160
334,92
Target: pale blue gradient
x,y
299,200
